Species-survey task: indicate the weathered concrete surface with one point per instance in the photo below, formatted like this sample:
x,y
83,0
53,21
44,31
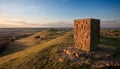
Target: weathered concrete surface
x,y
86,33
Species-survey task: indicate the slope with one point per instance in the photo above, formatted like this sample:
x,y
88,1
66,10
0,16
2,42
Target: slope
x,y
37,57
33,40
44,55
40,37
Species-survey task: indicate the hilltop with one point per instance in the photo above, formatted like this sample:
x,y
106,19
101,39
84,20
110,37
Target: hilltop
x,y
41,51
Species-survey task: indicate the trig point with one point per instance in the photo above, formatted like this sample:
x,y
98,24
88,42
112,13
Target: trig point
x,y
86,33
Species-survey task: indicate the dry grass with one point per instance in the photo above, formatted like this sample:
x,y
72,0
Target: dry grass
x,y
44,36
30,41
43,55
30,58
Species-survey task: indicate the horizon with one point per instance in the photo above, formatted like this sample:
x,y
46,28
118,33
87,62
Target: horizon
x,y
57,13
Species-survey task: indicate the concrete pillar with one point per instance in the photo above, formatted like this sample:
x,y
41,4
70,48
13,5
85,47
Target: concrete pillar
x,y
86,33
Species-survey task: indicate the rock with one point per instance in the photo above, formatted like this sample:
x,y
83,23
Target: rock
x,y
97,57
107,64
63,57
76,54
72,58
101,58
68,52
60,49
61,60
100,66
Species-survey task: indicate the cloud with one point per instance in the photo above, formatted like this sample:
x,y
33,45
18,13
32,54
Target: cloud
x,y
21,22
32,7
14,23
60,24
110,24
3,14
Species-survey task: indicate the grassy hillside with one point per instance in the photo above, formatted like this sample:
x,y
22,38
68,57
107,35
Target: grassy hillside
x,y
41,52
30,41
40,37
36,57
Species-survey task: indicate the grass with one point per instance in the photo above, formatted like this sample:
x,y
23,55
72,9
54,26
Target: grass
x,y
45,36
110,41
110,38
34,57
12,48
44,54
30,41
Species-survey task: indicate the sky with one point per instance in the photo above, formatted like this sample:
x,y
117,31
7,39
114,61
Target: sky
x,y
55,13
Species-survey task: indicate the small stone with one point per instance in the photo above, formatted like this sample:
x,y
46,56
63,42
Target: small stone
x,y
61,60
76,54
107,64
100,66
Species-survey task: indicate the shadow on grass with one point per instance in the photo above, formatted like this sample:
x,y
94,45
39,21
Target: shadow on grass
x,y
14,47
112,67
110,41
